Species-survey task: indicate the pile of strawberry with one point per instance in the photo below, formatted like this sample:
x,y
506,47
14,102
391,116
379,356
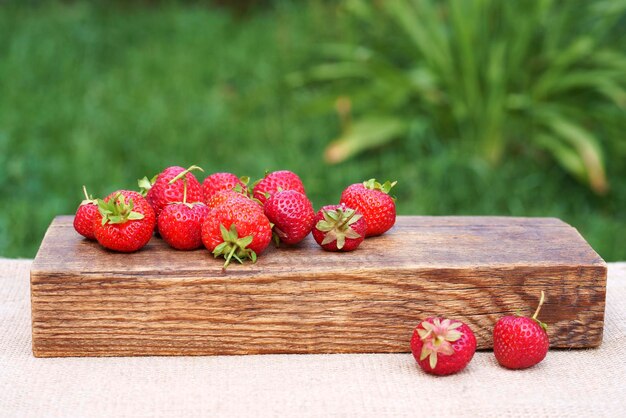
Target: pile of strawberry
x,y
230,220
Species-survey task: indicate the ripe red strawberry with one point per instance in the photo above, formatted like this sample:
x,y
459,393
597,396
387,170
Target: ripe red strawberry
x,y
221,197
520,342
339,228
292,214
275,181
219,182
236,229
124,222
443,346
372,200
86,212
180,223
168,187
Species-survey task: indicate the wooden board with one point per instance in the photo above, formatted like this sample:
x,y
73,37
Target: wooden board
x,y
87,301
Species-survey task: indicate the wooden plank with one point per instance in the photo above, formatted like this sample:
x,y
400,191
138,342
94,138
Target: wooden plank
x,y
87,301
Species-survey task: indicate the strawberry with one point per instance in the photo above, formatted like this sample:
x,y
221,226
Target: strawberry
x,y
180,223
168,187
219,182
339,228
221,197
292,214
236,229
519,341
86,212
124,222
372,200
442,346
275,181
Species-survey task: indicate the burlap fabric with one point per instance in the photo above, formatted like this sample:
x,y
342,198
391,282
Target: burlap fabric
x,y
567,383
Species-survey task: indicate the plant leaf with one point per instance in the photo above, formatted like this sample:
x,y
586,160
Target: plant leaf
x,y
366,133
584,145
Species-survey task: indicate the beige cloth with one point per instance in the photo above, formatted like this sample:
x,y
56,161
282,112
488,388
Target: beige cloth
x,y
567,383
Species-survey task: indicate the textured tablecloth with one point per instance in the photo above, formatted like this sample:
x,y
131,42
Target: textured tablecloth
x,y
566,383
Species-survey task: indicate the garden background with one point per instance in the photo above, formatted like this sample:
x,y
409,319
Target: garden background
x,y
476,108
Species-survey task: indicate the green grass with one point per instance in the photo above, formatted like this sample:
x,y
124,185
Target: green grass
x,y
104,95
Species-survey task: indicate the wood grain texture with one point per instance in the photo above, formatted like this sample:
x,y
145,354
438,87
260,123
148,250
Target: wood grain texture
x,y
87,301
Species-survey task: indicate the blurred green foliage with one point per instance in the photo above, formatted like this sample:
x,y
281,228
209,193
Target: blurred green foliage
x,y
102,95
494,74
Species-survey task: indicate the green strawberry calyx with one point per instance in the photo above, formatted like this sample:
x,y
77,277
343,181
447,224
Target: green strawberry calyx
x,y
145,184
437,338
257,181
233,246
277,234
534,317
244,190
117,210
385,187
184,173
337,225
89,200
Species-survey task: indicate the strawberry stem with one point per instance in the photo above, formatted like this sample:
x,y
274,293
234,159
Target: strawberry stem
x,y
230,255
89,200
541,300
345,222
184,190
184,173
